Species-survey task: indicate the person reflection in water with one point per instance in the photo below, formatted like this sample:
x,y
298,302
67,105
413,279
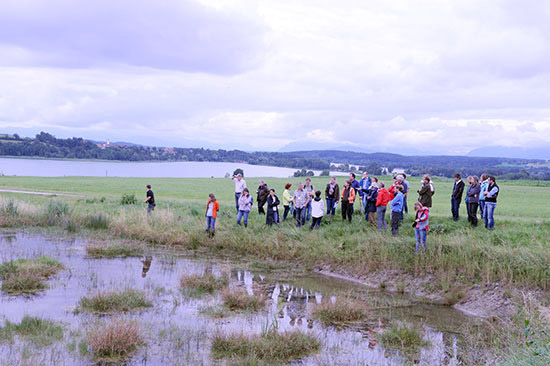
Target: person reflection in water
x,y
146,261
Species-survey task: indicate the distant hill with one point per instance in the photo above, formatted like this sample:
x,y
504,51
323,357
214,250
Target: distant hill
x,y
513,152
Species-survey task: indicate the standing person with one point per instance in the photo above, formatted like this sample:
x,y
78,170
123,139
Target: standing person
x,y
150,200
426,192
311,191
332,195
491,195
262,193
317,209
287,198
212,208
240,185
300,200
406,188
396,205
456,196
421,226
273,202
348,198
398,181
364,185
382,200
356,187
371,197
245,206
473,200
483,189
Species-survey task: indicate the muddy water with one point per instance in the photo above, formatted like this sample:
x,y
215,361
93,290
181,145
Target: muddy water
x,y
178,333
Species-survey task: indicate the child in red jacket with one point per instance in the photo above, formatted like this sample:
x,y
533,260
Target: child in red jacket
x,y
212,208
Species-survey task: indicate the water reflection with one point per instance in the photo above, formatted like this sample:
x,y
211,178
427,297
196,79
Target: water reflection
x,y
146,261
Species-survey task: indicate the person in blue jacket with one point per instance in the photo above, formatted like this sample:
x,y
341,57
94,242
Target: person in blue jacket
x,y
396,206
365,184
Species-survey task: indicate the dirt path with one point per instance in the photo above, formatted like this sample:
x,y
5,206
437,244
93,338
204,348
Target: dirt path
x,y
40,193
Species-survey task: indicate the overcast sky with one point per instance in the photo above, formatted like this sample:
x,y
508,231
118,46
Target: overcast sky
x,y
425,76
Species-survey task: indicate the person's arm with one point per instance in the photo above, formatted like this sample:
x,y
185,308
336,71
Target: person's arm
x,y
352,195
337,193
492,192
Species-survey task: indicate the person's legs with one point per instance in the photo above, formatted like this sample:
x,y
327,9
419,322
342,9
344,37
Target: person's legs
x,y
237,196
490,209
473,213
213,224
344,210
298,214
418,240
350,212
276,217
330,205
245,214
308,211
455,208
208,219
239,216
381,216
372,219
286,211
405,206
481,207
395,223
149,209
319,219
261,210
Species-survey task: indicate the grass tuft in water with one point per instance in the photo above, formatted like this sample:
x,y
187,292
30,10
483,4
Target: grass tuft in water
x,y
114,340
111,302
270,346
406,338
238,300
197,286
97,221
113,250
27,276
216,311
341,312
40,332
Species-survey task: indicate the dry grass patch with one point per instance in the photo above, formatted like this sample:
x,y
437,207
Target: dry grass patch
x,y
342,312
27,276
115,340
239,300
196,285
270,346
111,302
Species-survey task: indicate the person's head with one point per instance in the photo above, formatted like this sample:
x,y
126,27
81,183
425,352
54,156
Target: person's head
x,y
239,176
246,192
308,181
212,197
365,175
458,176
261,182
399,179
470,179
288,185
492,179
426,179
300,186
484,177
404,176
381,185
374,179
347,183
351,176
272,192
148,186
399,187
417,206
475,180
332,180
317,194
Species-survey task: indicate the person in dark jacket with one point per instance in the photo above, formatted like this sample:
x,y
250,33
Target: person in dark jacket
x,y
371,196
273,202
426,192
473,200
348,198
262,192
332,195
456,196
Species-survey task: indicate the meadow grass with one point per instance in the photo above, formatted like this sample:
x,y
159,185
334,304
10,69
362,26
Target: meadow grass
x,y
39,331
114,341
27,276
269,346
197,286
111,302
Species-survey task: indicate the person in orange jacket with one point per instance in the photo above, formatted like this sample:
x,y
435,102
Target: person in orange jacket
x,y
212,208
348,198
384,197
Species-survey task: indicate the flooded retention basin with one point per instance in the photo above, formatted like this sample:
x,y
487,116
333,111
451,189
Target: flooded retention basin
x,y
178,330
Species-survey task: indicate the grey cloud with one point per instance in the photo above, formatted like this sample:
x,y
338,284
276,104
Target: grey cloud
x,y
169,34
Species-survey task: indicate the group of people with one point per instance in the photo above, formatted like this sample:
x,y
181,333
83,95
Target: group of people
x,y
305,204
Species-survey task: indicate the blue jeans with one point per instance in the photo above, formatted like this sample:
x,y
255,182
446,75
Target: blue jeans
x,y
210,223
308,211
300,216
381,218
330,206
242,215
455,208
237,196
489,215
481,207
420,235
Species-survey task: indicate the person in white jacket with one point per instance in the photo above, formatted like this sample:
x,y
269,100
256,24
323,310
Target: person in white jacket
x,y
317,210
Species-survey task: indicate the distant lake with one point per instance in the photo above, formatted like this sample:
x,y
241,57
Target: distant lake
x,y
87,168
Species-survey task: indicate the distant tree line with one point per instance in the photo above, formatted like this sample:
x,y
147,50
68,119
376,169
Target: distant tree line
x,y
48,146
